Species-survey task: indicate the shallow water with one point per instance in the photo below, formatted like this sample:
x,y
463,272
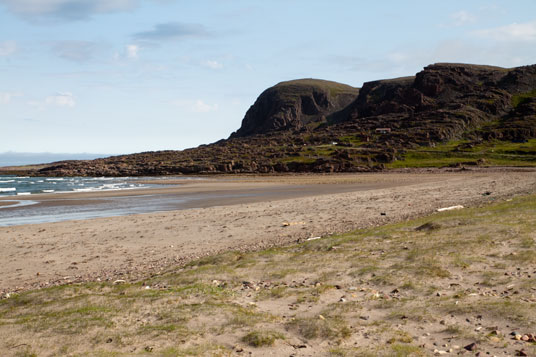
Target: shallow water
x,y
23,185
14,211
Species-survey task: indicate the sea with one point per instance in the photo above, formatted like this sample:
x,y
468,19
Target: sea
x,y
24,185
21,208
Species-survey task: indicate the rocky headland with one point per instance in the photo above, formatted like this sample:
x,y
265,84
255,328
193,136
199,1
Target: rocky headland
x,y
313,125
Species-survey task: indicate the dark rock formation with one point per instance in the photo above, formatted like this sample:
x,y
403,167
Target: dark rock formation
x,y
295,105
321,126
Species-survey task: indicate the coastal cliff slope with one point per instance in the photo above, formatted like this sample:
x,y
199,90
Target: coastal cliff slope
x,y
294,105
447,114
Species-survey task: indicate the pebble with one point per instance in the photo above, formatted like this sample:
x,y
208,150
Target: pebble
x,y
471,347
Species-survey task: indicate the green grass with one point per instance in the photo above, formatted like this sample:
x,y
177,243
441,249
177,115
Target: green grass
x,y
522,98
493,153
262,338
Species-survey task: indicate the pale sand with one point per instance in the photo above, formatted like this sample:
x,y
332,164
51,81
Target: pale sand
x,y
131,247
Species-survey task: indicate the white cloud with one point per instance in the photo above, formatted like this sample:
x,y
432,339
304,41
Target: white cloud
x,y
196,106
461,18
5,97
65,99
66,9
132,51
7,48
525,32
202,107
212,64
61,100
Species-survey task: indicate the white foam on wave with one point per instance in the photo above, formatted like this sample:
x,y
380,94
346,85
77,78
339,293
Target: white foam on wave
x,y
85,189
23,193
7,181
55,179
47,191
19,203
21,177
8,189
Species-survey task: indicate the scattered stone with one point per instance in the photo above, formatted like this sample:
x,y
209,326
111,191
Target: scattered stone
x,y
521,353
449,208
119,281
321,317
471,347
429,226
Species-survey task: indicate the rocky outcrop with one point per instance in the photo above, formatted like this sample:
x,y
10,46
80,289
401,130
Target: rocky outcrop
x,y
320,126
294,105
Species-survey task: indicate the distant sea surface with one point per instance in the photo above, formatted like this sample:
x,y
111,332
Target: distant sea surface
x,y
23,185
27,158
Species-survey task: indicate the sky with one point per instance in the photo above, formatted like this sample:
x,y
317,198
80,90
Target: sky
x,y
124,76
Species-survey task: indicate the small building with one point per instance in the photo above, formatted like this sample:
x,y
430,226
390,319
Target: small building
x,y
383,130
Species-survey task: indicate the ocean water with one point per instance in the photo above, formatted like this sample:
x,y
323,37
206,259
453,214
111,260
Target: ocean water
x,y
21,208
23,185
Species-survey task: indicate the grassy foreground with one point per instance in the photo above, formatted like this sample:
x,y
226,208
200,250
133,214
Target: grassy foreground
x,y
429,286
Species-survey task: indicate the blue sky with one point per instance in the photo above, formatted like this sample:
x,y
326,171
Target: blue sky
x,y
123,76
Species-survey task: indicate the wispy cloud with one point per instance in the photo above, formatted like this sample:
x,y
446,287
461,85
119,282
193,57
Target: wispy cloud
x,y
212,64
201,107
61,99
462,17
172,31
7,48
196,106
77,51
132,51
524,32
6,97
70,10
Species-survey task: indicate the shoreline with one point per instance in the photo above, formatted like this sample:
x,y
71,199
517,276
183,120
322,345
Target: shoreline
x,y
136,246
177,195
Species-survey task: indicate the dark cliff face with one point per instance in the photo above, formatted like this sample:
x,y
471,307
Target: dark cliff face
x,y
293,105
442,101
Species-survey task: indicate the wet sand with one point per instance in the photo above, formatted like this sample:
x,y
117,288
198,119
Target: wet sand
x,y
240,213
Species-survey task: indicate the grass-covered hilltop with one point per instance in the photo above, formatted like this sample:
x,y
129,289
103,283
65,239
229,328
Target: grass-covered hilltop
x,y
447,114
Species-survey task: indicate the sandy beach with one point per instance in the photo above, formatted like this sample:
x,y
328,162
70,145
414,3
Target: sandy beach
x,y
243,214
